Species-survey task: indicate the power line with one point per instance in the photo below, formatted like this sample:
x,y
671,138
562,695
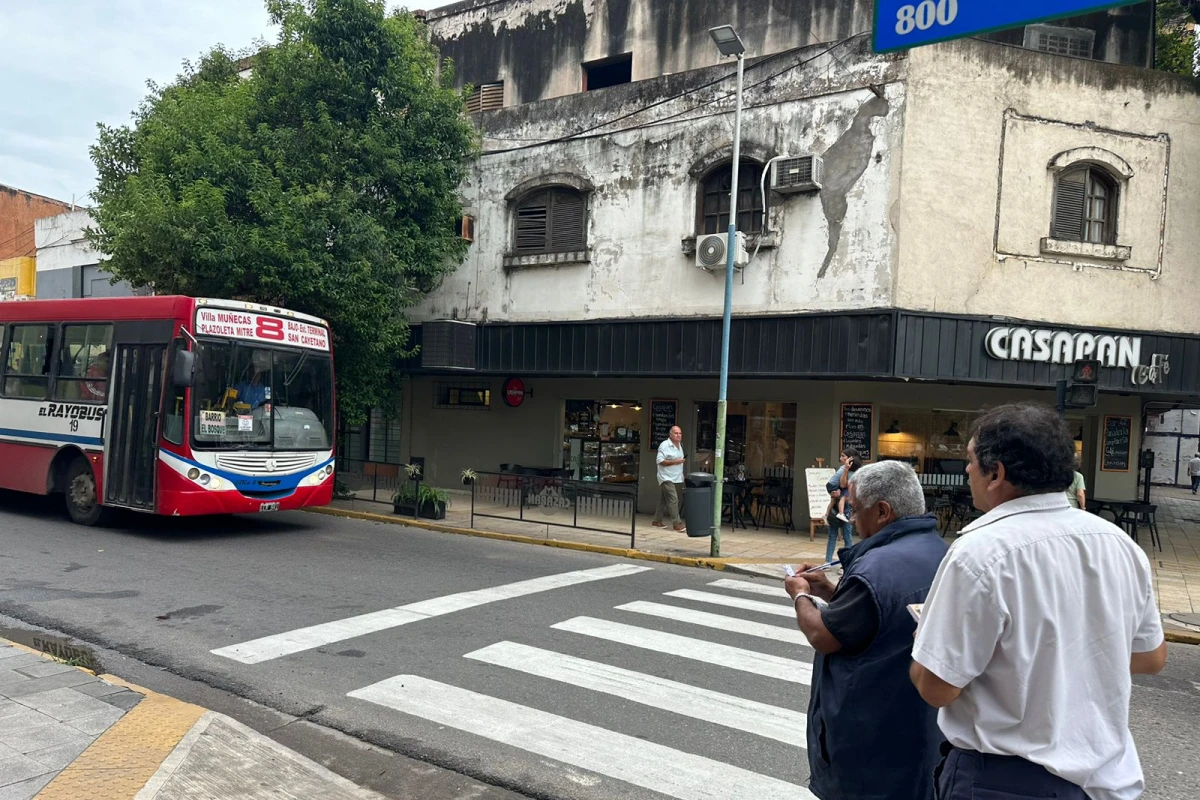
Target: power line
x,y
18,236
580,134
655,104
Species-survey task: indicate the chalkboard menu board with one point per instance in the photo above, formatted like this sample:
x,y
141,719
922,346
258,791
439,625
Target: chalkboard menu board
x,y
1118,440
857,422
662,419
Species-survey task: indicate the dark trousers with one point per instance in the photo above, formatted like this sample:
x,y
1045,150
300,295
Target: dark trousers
x,y
668,502
1195,483
967,775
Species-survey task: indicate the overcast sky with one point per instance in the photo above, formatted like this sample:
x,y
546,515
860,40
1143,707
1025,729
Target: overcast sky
x,y
69,64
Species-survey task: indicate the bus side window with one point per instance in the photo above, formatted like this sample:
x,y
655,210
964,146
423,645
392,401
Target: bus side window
x,y
27,368
84,364
173,402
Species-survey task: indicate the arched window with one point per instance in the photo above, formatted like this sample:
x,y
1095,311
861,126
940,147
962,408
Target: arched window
x,y
1085,206
713,202
551,221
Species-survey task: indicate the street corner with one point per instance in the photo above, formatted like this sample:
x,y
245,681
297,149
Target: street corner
x,y
162,748
52,713
125,757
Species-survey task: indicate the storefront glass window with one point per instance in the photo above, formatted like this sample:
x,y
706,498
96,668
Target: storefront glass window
x,y
602,440
760,438
931,441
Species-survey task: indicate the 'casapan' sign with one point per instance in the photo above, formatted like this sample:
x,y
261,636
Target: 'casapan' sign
x,y
1063,347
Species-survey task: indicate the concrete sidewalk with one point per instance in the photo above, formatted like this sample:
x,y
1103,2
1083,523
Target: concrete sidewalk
x,y
1176,567
66,734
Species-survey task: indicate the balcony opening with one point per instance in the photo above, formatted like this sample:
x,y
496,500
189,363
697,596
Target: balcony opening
x,y
608,72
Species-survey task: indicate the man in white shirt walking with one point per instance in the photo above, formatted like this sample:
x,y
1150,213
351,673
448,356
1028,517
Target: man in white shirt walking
x,y
1035,622
1194,472
670,479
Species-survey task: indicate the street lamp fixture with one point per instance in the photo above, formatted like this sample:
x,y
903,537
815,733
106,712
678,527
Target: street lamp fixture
x,y
730,44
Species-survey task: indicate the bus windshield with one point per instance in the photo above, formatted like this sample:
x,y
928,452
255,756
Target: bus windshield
x,y
250,396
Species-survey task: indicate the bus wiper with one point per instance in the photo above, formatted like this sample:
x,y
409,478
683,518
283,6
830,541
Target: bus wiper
x,y
288,380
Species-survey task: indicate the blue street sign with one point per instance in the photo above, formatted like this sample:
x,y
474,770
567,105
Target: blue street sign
x,y
900,24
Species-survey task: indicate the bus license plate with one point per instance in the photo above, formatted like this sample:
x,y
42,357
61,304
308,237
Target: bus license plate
x,y
268,507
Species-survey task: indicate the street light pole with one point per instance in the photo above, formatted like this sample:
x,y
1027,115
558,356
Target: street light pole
x,y
729,44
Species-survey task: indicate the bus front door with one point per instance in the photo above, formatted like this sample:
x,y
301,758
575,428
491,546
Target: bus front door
x,y
132,436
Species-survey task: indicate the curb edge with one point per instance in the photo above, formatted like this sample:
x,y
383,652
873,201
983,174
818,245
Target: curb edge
x,y
620,552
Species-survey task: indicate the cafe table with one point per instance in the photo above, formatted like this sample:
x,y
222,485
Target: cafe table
x,y
1098,505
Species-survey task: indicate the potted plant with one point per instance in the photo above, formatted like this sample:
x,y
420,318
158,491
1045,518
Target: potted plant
x,y
433,502
413,471
421,501
468,477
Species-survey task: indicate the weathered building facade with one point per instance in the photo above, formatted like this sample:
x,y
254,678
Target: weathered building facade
x,y
19,210
968,219
67,265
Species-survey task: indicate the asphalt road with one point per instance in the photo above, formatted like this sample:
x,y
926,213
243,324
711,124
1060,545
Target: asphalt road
x,y
545,711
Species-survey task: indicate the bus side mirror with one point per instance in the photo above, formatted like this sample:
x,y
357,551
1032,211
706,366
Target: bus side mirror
x,y
184,369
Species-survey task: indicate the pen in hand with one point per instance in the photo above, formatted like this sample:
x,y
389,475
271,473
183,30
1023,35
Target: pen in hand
x,y
791,573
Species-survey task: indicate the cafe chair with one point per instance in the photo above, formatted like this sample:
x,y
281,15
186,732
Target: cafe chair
x,y
508,480
943,509
776,501
1134,515
730,507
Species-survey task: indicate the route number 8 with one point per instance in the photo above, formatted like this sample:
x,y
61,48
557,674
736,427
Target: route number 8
x,y
924,15
269,328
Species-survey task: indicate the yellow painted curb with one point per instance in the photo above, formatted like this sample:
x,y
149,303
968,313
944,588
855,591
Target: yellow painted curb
x,y
119,763
1181,636
622,552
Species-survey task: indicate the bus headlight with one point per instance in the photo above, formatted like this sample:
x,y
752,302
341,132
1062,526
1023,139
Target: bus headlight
x,y
204,479
318,477
193,473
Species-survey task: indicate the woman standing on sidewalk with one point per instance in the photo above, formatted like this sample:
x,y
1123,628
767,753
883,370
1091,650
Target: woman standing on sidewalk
x,y
837,486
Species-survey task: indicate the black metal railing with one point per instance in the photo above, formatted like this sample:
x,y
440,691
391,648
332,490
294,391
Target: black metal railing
x,y
561,502
367,480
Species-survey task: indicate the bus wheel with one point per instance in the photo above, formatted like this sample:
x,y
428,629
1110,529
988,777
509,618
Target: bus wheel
x,y
82,503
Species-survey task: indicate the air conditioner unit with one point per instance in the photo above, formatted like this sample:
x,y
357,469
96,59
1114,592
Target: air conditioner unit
x,y
800,174
712,255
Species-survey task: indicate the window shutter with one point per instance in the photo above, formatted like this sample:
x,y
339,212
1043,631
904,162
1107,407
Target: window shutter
x,y
1069,198
487,97
566,222
491,96
532,219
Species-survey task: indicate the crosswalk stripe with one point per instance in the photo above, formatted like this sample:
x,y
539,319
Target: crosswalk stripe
x,y
784,609
749,716
717,621
747,586
674,773
282,644
721,655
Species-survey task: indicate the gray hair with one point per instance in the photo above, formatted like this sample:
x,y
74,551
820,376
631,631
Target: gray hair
x,y
893,482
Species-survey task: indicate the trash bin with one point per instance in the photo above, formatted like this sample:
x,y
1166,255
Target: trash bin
x,y
698,499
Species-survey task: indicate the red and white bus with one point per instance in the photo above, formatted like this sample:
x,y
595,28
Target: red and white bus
x,y
167,405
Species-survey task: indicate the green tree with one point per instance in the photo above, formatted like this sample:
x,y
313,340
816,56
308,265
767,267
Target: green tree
x,y
325,181
1175,42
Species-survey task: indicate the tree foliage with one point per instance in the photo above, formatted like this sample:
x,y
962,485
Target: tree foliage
x,y
324,182
1175,42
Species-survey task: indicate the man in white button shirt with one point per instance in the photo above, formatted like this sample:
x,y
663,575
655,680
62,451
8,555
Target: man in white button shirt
x,y
670,462
1035,622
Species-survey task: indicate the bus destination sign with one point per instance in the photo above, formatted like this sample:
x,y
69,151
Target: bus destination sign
x,y
260,328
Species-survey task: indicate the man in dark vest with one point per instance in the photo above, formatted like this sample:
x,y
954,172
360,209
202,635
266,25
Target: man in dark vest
x,y
870,735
